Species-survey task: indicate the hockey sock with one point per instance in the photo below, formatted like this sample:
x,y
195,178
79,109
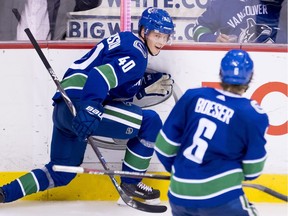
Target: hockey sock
x,y
27,184
137,159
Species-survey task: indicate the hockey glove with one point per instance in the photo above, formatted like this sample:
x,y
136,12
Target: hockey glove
x,y
155,84
87,120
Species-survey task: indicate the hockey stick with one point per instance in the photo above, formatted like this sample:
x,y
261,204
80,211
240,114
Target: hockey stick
x,y
128,200
267,190
73,169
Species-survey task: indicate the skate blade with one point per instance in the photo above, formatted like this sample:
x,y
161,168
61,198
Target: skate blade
x,y
156,201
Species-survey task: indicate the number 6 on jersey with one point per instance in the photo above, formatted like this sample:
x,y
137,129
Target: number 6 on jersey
x,y
197,150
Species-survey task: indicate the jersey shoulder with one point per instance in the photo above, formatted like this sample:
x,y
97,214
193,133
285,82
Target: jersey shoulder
x,y
125,49
247,109
200,91
254,111
127,43
244,107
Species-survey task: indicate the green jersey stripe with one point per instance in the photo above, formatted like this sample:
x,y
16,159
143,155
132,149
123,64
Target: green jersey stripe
x,y
125,112
210,187
199,31
209,196
108,73
123,116
253,167
76,81
166,148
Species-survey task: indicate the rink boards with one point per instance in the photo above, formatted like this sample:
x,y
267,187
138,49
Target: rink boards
x,y
26,110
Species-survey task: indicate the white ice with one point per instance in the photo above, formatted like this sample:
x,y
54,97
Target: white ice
x,y
103,208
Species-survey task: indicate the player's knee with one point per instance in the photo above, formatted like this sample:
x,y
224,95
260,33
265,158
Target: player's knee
x,y
59,178
151,125
152,118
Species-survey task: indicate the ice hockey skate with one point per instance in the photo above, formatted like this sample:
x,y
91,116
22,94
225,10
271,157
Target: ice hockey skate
x,y
141,191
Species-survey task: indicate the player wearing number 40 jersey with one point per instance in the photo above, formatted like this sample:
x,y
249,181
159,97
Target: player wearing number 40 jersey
x,y
213,140
101,86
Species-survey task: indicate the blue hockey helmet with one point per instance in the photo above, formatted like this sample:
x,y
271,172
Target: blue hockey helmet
x,y
156,19
236,67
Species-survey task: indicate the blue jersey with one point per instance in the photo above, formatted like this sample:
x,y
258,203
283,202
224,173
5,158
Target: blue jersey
x,y
112,70
211,141
253,21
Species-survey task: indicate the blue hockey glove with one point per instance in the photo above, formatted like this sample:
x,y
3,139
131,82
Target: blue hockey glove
x,y
155,84
87,120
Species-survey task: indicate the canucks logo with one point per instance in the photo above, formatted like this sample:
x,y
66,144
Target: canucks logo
x,y
141,47
254,31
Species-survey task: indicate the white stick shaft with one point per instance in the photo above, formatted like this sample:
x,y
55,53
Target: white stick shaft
x,y
70,169
74,169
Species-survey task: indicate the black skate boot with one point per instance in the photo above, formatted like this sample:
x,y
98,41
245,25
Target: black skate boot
x,y
2,195
142,191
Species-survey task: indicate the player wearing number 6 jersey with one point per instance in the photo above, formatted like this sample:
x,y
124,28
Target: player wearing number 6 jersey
x,y
100,85
213,140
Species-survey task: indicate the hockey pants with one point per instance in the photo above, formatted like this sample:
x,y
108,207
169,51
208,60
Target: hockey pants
x,y
67,150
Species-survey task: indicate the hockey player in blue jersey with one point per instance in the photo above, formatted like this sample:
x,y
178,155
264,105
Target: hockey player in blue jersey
x,y
243,21
213,140
101,86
